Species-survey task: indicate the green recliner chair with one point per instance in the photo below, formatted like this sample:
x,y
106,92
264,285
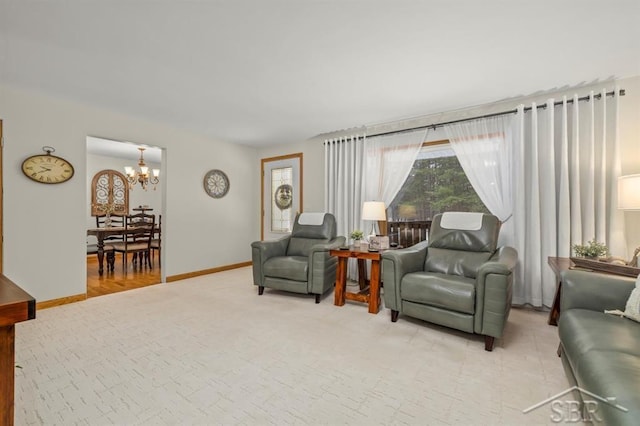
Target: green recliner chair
x,y
299,262
458,278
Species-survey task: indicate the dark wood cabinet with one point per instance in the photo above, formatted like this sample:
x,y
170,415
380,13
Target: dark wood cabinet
x,y
16,305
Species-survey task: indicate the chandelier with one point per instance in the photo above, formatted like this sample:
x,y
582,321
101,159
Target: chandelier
x,y
142,176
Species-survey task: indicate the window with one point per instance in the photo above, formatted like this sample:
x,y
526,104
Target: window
x,y
436,184
281,199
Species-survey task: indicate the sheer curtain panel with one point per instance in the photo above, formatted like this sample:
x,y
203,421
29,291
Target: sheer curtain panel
x,y
389,162
343,185
566,162
484,149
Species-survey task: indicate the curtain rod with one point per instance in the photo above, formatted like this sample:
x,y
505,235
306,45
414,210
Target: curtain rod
x,y
496,114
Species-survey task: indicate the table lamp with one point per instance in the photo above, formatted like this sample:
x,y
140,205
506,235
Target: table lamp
x,y
629,199
374,211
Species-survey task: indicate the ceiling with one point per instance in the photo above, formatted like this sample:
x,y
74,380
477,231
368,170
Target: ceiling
x,y
124,150
261,72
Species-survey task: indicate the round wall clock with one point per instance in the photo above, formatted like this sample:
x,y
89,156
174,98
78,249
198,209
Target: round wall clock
x,y
216,183
47,168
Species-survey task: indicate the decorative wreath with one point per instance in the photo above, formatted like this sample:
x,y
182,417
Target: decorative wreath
x,y
284,196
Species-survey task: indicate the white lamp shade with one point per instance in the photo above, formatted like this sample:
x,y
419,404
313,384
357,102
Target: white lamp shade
x,y
373,210
629,192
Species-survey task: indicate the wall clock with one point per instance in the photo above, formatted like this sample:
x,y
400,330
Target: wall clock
x,y
216,183
47,168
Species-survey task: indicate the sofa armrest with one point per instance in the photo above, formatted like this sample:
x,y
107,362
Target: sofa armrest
x,y
261,251
593,291
395,265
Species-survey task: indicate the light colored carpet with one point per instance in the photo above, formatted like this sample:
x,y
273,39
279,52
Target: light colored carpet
x,y
209,350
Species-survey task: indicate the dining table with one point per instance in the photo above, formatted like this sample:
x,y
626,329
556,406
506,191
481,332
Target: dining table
x,y
100,234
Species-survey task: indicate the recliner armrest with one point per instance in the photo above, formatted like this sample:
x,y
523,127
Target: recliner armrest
x,y
271,248
331,245
261,251
502,262
395,265
410,259
593,291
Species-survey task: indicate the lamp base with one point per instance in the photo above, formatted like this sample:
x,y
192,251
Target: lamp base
x,y
373,232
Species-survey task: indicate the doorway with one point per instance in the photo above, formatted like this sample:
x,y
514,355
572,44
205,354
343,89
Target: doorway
x,y
111,155
281,196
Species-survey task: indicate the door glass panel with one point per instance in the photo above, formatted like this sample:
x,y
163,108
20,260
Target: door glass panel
x,y
281,199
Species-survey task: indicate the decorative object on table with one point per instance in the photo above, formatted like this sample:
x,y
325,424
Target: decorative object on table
x,y
379,242
592,249
608,267
142,176
629,199
356,235
107,209
216,183
47,168
373,211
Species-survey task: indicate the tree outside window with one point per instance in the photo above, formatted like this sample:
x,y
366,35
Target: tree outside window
x,y
436,184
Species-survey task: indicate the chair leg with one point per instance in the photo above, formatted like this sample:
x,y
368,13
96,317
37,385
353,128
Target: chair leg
x,y
317,298
488,343
260,290
394,315
111,260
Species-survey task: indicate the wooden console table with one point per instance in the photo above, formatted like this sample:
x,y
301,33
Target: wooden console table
x,y
16,305
368,294
558,265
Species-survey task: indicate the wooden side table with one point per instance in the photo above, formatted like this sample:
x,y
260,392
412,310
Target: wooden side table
x,y
368,294
558,265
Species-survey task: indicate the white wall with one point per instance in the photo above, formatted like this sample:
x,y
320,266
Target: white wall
x,y
629,131
45,225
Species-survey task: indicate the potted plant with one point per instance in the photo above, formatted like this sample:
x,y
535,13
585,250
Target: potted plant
x,y
592,249
356,235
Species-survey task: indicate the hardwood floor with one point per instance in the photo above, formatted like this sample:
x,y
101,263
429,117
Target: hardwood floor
x,y
112,282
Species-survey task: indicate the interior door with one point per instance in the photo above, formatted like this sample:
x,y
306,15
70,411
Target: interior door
x,y
281,194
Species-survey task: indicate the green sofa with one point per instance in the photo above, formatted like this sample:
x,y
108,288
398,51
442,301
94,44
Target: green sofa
x,y
601,352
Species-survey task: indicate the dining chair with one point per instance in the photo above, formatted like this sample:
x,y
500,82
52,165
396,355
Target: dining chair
x,y
138,232
156,242
116,220
92,249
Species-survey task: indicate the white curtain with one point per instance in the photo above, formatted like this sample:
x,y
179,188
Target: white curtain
x,y
343,184
343,175
566,162
484,149
390,159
